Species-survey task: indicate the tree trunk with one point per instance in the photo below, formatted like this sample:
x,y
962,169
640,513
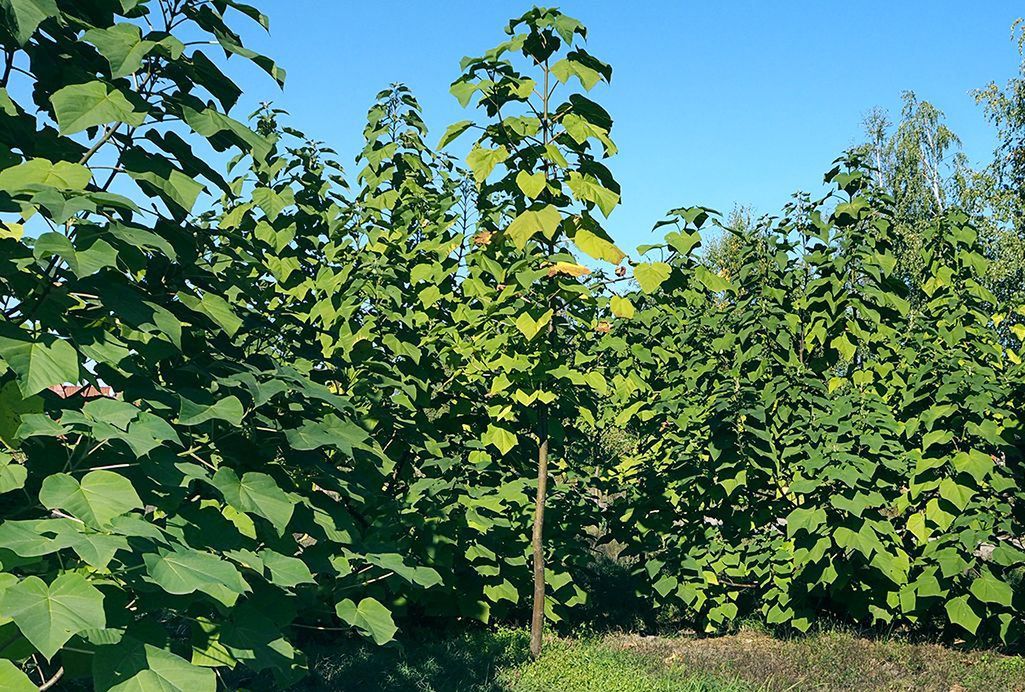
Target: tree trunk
x,y
537,619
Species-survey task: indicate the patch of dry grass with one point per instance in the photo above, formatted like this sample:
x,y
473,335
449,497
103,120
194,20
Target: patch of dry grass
x,y
832,661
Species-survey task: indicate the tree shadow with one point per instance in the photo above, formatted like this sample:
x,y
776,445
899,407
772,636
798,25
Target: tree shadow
x,y
613,603
425,660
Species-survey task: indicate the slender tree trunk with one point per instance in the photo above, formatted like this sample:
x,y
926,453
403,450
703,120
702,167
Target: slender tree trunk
x,y
537,619
537,616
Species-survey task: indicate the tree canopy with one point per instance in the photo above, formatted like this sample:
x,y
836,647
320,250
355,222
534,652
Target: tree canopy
x,y
246,395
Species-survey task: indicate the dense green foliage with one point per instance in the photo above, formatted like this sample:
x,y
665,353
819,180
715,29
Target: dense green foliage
x,y
808,441
344,403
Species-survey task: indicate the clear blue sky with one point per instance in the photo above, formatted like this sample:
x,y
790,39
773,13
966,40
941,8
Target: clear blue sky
x,y
715,103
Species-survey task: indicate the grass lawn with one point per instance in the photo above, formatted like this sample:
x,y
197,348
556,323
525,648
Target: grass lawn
x,y
750,660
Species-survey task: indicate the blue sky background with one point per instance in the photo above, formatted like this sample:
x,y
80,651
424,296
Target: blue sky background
x,y
715,103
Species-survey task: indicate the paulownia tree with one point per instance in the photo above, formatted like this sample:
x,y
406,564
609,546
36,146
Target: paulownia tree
x,y
811,442
525,281
187,501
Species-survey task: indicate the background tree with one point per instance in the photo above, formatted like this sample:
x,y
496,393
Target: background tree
x,y
918,163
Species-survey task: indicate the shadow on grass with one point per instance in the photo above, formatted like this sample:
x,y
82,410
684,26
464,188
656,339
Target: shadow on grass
x,y
434,660
481,660
612,601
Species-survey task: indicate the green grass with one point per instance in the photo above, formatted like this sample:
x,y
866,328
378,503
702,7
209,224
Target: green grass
x,y
595,665
476,660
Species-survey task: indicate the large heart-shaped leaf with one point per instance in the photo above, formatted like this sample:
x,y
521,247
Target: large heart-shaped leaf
x,y
257,493
49,615
369,617
23,16
187,571
544,220
132,666
38,364
651,275
81,106
98,498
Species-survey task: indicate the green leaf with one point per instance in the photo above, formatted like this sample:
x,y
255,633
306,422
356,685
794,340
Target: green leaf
x,y
597,247
256,493
393,562
25,537
429,296
7,106
13,679
38,364
453,131
370,617
284,570
916,525
158,177
621,307
463,90
219,310
97,549
989,589
132,666
713,282
122,46
844,346
272,202
597,382
224,131
566,68
101,496
959,612
96,256
586,188
63,175
805,519
482,161
529,327
228,409
12,474
11,231
13,406
665,584
683,242
523,227
186,571
333,431
580,129
49,615
933,437
531,183
24,16
935,514
505,590
81,106
977,464
958,495
261,61
502,439
651,275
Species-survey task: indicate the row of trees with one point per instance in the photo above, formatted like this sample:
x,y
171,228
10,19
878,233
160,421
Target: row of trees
x,y
430,392
816,437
